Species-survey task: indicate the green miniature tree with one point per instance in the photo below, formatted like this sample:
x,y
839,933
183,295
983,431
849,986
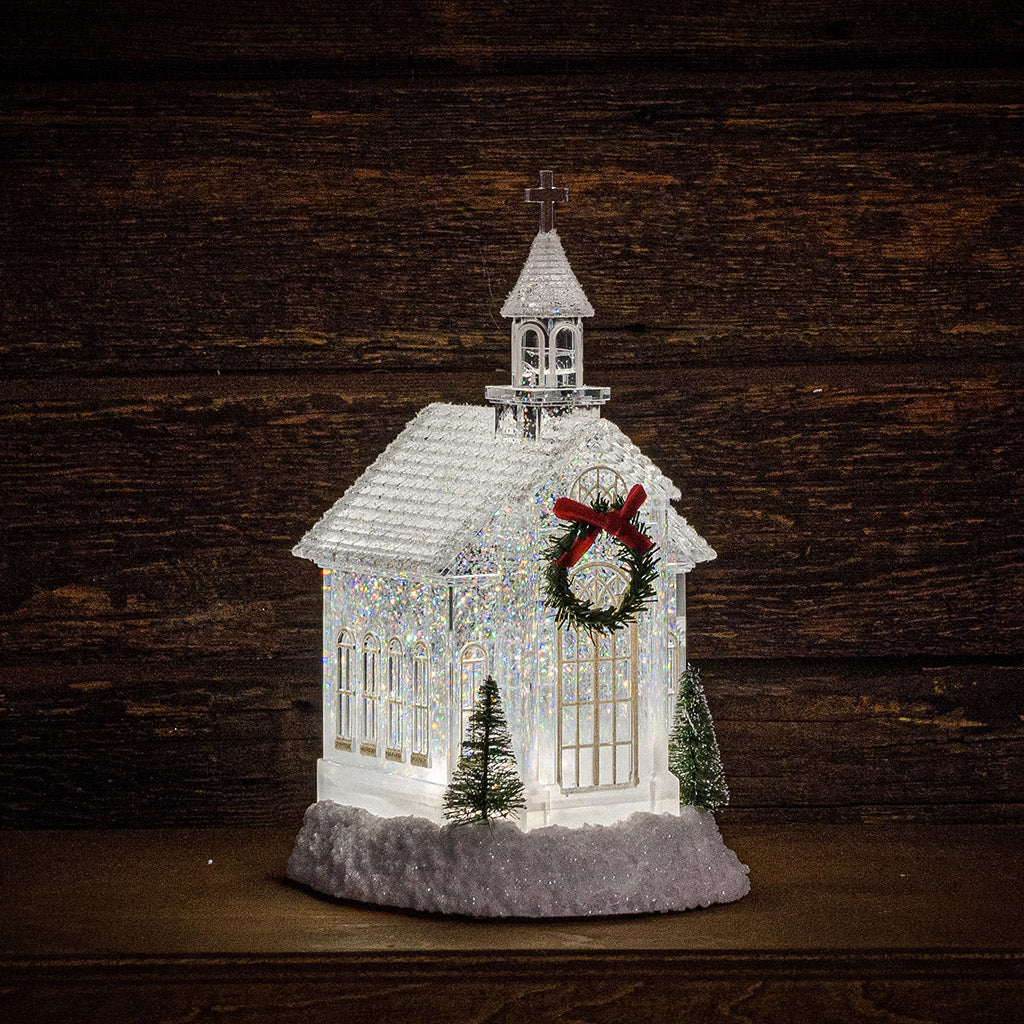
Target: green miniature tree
x,y
693,755
486,782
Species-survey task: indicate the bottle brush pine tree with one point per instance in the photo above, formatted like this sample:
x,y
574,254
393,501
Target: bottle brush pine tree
x,y
693,755
486,782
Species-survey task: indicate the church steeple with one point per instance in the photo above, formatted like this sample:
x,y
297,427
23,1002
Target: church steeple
x,y
546,306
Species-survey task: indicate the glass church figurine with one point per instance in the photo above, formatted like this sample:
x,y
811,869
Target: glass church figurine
x,y
433,566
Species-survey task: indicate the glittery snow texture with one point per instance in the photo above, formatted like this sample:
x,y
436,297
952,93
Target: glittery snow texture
x,y
648,863
547,286
445,477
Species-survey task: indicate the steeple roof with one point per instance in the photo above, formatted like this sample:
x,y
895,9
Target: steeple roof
x,y
547,286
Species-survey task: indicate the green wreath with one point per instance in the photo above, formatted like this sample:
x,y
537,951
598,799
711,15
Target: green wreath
x,y
643,572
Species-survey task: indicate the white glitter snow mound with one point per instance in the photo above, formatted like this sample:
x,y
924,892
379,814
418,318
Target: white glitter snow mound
x,y
648,863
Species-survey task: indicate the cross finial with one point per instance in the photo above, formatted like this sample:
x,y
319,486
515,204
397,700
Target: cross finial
x,y
547,195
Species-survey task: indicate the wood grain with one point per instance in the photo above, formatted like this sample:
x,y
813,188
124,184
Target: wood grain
x,y
245,227
194,924
857,513
177,992
310,39
239,252
857,517
235,742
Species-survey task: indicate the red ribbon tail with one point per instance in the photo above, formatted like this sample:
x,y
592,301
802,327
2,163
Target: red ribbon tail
x,y
636,497
634,539
578,549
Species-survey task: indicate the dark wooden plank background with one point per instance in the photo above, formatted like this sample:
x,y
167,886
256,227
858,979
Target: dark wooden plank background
x,y
237,256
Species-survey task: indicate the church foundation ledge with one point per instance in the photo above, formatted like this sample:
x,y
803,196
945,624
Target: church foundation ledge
x,y
380,791
551,805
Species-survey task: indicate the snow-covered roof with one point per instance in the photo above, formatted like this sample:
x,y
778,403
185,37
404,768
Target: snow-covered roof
x,y
446,475
547,286
685,545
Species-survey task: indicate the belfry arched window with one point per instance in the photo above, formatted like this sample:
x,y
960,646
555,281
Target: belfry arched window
x,y
529,350
566,355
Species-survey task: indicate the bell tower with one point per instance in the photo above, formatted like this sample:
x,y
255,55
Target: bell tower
x,y
546,307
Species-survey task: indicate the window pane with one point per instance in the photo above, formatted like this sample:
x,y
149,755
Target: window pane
x,y
623,763
371,678
473,670
568,684
568,644
565,357
597,482
621,678
394,701
604,680
569,726
586,647
530,342
420,689
623,721
569,779
587,723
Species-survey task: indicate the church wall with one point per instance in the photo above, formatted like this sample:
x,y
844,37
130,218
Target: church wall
x,y
510,616
500,611
448,618
526,655
408,611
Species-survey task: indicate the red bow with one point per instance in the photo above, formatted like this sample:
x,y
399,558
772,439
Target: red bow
x,y
617,523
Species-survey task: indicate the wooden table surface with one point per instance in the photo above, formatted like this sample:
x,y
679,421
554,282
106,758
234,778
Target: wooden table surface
x,y
852,922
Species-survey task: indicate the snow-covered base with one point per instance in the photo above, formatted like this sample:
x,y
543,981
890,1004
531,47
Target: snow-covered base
x,y
650,862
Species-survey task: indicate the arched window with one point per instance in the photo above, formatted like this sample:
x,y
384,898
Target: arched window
x,y
472,672
597,482
566,357
420,705
530,355
370,695
345,691
393,703
597,706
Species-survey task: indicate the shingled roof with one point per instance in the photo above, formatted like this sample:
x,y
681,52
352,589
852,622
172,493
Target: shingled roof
x,y
547,286
442,480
